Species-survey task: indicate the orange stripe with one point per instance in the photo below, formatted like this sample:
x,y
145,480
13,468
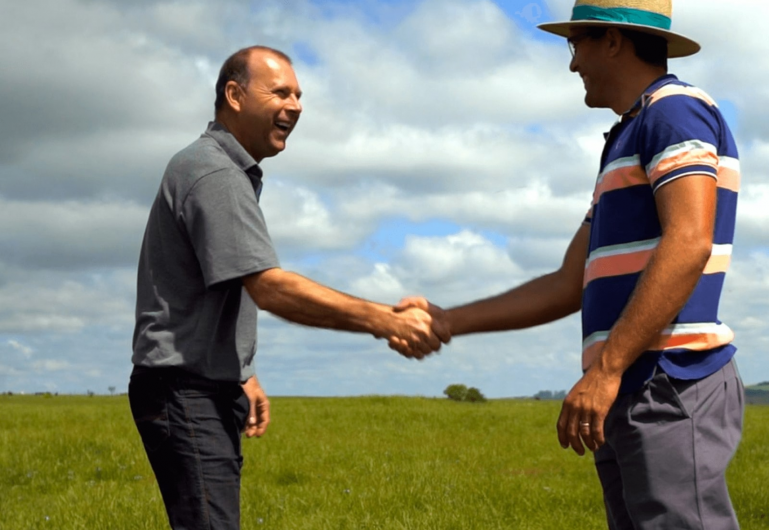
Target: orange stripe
x,y
687,158
623,177
617,265
591,353
675,90
728,178
692,341
717,264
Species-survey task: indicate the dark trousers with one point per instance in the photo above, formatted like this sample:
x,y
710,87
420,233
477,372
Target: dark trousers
x,y
667,448
191,428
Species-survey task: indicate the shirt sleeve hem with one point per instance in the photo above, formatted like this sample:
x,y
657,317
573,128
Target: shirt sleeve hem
x,y
230,275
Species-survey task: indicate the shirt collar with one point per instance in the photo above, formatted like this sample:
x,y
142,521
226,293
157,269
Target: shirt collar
x,y
651,89
234,150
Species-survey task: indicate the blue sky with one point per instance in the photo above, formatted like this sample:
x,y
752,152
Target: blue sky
x,y
444,150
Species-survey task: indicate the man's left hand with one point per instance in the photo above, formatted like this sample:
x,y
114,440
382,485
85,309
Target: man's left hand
x,y
259,408
585,409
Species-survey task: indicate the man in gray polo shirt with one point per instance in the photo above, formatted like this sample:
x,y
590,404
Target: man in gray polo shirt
x,y
206,263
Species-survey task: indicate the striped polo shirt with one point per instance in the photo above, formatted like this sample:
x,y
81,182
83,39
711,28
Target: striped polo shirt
x,y
674,130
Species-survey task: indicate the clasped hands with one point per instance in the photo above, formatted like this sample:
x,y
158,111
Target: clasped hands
x,y
421,328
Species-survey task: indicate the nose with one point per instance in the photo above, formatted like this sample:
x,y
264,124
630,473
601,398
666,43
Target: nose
x,y
294,105
573,64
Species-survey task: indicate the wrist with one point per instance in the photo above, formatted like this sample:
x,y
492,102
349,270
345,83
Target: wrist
x,y
381,321
609,365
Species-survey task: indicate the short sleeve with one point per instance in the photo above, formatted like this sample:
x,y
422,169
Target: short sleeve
x,y
226,227
679,137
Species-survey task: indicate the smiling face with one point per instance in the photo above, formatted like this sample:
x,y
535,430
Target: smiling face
x,y
588,61
268,108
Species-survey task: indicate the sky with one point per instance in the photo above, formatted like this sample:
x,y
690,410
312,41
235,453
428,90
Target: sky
x,y
444,150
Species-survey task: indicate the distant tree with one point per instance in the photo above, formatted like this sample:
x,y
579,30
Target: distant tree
x,y
462,393
111,390
474,395
548,394
456,392
90,393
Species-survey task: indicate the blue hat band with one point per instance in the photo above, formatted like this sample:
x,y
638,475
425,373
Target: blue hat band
x,y
621,15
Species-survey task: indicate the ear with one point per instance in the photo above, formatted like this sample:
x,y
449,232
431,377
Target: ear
x,y
233,93
615,41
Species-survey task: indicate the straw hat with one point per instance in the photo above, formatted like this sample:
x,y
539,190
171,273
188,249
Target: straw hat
x,y
646,16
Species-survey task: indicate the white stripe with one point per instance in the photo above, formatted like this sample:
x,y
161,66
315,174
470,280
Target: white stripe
x,y
625,248
674,150
729,163
629,248
627,161
598,336
696,328
721,250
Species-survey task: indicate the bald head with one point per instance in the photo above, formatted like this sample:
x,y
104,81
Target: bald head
x,y
236,68
258,100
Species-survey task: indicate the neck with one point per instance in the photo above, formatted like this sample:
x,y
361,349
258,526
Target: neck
x,y
231,124
631,84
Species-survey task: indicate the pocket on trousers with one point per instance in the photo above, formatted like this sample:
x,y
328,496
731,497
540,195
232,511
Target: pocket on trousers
x,y
150,412
659,401
241,407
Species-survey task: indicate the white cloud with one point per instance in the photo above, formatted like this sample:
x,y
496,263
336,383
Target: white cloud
x,y
60,304
50,365
71,235
297,215
442,110
25,350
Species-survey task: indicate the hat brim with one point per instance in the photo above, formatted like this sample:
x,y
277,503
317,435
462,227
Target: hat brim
x,y
678,45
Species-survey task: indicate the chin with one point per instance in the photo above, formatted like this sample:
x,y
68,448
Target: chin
x,y
277,147
274,150
594,103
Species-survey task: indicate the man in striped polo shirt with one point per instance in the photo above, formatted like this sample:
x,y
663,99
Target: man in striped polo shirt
x,y
660,402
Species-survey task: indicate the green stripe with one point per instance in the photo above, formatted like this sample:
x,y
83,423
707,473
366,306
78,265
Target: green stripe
x,y
621,15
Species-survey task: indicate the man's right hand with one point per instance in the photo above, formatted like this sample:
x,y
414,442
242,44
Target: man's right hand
x,y
259,408
423,313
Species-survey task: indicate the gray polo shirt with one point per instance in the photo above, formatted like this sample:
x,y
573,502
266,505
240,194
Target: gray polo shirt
x,y
205,232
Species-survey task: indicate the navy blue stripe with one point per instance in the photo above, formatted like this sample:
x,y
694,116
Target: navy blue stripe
x,y
726,214
603,301
687,364
702,305
624,216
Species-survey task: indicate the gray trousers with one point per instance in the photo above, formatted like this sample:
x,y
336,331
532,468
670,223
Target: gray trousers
x,y
667,448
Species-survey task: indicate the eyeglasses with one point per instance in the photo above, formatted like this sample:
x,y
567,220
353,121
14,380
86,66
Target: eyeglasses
x,y
592,32
573,41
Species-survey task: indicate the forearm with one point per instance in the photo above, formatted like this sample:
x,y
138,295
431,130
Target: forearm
x,y
536,302
663,289
303,301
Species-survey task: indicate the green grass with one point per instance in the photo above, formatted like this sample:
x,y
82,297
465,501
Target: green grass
x,y
72,462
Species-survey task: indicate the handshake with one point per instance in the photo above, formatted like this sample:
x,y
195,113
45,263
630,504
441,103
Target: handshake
x,y
417,328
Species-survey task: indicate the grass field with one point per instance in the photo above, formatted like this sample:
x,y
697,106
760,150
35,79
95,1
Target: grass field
x,y
76,462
